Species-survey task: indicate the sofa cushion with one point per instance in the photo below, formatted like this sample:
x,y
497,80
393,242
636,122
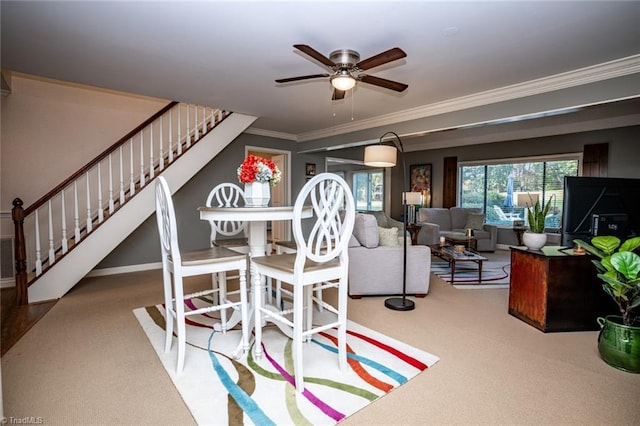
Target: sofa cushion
x,y
353,241
459,216
365,229
389,237
475,221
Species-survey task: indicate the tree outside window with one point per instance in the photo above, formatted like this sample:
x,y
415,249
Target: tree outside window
x,y
503,190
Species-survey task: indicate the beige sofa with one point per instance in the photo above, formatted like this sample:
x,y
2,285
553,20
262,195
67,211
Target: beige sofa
x,y
441,222
376,268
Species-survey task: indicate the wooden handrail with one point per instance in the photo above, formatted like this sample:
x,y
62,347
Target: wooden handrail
x,y
96,160
21,215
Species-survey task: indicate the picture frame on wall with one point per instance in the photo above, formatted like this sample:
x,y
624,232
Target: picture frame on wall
x,y
420,181
310,169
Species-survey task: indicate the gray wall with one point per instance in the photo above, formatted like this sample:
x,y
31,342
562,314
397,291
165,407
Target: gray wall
x,y
143,246
624,153
624,156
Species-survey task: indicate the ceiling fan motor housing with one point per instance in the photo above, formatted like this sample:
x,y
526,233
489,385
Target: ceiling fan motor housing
x,y
345,57
347,66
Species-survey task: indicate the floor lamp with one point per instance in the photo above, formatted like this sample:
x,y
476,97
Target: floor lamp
x,y
385,156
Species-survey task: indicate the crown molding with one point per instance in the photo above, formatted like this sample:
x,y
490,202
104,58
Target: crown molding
x,y
271,133
591,74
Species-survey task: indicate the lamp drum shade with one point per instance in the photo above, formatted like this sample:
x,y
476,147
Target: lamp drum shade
x,y
412,198
380,156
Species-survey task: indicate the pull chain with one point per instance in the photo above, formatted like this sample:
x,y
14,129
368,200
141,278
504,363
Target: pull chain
x,y
353,94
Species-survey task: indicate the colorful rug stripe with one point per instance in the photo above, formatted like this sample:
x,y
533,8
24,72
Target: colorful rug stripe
x,y
328,410
247,404
403,356
398,378
219,389
356,364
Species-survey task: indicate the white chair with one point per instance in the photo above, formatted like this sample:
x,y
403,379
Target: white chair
x,y
505,216
177,265
231,234
288,246
282,247
321,260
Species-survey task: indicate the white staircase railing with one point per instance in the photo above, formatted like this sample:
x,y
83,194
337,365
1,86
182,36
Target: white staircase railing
x,y
59,221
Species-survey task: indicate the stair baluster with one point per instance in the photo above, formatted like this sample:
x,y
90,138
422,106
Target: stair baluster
x,y
30,264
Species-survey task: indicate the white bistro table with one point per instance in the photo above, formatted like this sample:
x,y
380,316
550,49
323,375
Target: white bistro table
x,y
257,218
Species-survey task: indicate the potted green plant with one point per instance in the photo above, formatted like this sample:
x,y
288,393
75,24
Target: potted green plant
x,y
535,237
618,267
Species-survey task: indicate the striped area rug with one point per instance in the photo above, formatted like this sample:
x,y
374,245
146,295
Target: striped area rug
x,y
219,389
494,274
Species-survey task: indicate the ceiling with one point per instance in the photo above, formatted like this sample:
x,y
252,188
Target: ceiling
x,y
228,54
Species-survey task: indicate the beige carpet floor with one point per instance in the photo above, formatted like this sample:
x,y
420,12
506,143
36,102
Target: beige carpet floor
x,y
89,362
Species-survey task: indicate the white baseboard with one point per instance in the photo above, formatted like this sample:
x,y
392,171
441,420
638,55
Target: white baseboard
x,y
7,282
11,282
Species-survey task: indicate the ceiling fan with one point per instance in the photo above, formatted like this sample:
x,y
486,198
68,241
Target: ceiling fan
x,y
347,69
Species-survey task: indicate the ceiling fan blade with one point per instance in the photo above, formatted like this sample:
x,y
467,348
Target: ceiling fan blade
x,y
315,54
302,77
383,82
338,94
381,58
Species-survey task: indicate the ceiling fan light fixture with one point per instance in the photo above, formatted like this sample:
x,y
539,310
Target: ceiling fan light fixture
x,y
343,81
347,67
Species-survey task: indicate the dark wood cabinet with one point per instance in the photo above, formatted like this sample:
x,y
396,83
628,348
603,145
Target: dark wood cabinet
x,y
554,290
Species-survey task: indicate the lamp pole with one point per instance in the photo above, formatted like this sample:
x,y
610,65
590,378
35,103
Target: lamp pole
x,y
401,303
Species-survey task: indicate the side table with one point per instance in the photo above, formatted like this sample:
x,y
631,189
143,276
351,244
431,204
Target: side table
x,y
413,229
554,290
519,230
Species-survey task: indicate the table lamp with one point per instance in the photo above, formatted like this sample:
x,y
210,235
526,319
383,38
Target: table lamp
x,y
412,199
469,234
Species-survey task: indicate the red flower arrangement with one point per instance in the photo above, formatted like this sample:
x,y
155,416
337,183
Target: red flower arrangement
x,y
258,169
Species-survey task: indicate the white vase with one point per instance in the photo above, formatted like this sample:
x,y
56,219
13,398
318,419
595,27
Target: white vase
x,y
534,241
257,194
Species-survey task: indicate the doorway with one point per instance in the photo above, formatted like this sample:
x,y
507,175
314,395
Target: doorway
x,y
281,193
371,193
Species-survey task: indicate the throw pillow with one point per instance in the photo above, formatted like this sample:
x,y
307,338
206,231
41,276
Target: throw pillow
x,y
365,229
475,221
381,218
389,237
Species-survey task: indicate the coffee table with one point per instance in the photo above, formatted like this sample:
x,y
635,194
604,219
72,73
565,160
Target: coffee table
x,y
469,243
448,254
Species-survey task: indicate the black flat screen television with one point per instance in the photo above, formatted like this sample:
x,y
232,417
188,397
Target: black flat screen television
x,y
600,206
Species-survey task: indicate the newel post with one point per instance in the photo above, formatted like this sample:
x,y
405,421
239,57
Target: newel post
x,y
17,214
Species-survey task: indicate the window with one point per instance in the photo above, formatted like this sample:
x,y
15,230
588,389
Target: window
x,y
503,190
368,189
